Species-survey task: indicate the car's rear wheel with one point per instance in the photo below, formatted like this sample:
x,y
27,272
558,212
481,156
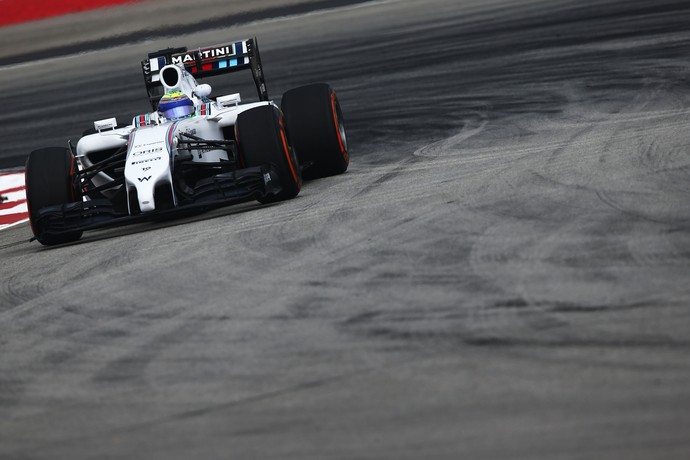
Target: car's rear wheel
x,y
48,183
316,129
262,139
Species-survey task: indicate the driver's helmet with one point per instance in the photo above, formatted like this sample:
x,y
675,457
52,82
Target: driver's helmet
x,y
175,105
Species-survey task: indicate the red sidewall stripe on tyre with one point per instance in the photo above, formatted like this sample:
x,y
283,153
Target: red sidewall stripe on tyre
x,y
72,167
287,154
337,127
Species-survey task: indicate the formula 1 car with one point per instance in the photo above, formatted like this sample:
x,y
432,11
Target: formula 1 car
x,y
190,152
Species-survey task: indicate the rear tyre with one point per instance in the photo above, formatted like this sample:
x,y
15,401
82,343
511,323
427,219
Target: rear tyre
x,y
262,139
48,183
316,129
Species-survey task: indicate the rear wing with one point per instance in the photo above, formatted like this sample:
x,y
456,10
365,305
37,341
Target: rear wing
x,y
205,62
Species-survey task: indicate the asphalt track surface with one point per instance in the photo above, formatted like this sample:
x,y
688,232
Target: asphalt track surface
x,y
502,273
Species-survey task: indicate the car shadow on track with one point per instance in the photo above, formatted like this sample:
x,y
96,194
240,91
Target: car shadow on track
x,y
92,236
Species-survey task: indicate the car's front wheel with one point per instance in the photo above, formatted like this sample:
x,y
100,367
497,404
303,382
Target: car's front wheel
x,y
49,182
262,139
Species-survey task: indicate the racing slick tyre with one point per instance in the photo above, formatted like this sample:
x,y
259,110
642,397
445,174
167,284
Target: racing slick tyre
x,y
262,139
48,177
316,129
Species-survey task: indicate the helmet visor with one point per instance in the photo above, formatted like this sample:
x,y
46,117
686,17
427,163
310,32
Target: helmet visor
x,y
179,112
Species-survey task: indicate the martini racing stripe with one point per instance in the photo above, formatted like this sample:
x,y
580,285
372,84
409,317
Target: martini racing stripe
x,y
203,109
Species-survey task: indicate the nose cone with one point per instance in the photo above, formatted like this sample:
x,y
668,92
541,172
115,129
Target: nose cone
x,y
148,164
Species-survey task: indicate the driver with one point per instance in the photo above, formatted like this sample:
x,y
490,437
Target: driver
x,y
175,105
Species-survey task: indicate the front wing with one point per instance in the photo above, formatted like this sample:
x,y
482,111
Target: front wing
x,y
224,189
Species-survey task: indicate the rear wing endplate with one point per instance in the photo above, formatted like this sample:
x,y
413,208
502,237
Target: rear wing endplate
x,y
205,62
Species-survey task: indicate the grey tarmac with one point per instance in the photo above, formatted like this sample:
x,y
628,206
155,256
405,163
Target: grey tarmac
x,y
502,272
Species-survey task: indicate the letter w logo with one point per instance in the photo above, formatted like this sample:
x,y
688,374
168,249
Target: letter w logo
x,y
142,179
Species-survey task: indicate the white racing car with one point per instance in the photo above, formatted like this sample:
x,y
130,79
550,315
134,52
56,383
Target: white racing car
x,y
190,151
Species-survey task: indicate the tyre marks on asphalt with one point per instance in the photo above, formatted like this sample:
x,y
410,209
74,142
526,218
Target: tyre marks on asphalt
x,y
548,276
471,126
564,277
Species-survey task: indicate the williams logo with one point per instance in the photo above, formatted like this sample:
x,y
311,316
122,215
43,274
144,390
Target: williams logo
x,y
142,179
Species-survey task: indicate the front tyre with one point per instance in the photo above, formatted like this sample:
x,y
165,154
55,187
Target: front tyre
x,y
48,178
262,139
316,129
